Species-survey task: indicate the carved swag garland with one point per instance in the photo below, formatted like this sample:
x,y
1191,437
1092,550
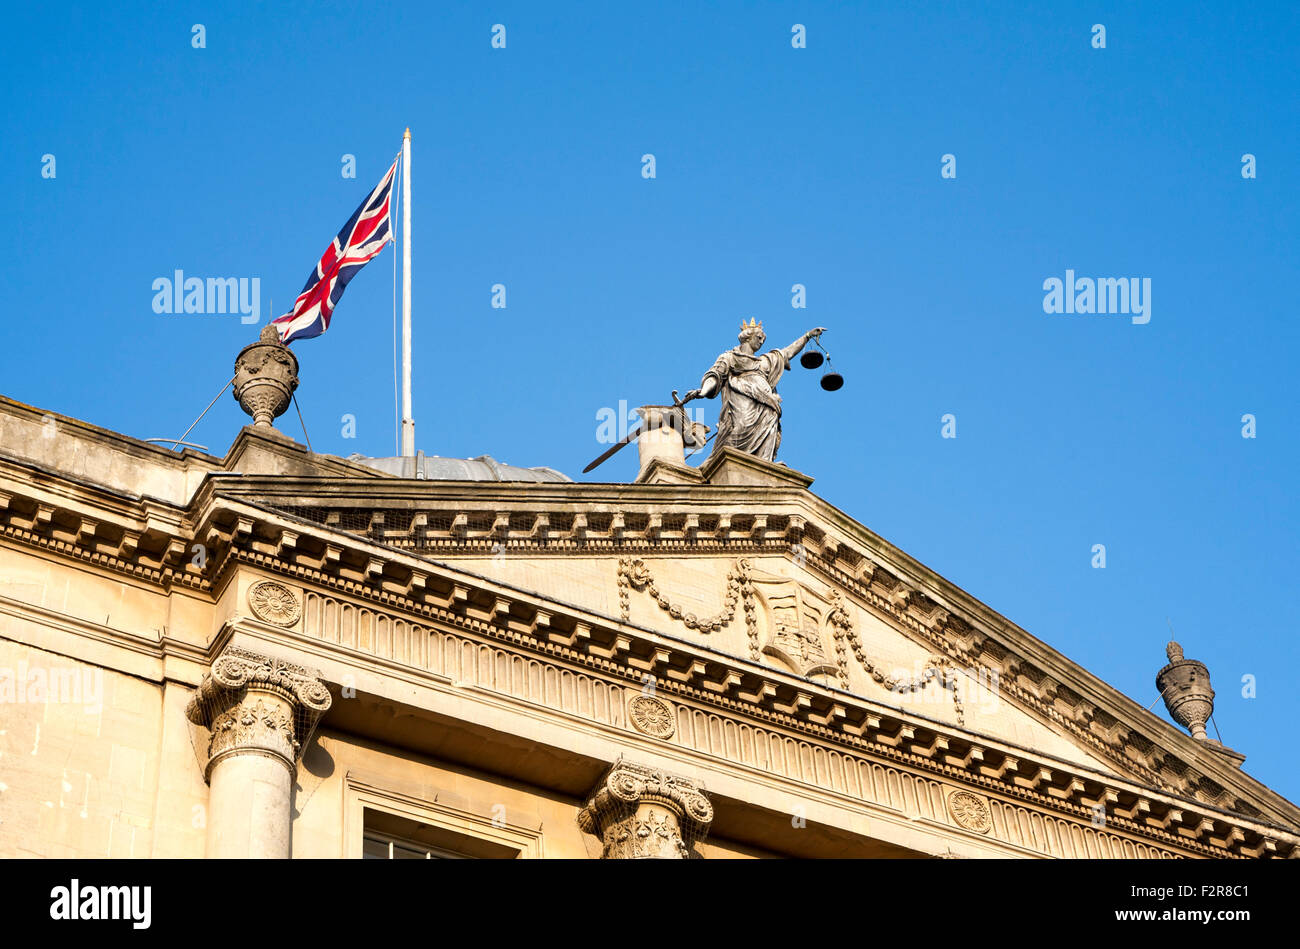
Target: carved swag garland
x,y
937,668
633,573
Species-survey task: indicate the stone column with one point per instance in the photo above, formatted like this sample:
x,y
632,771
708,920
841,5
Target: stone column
x,y
640,812
261,713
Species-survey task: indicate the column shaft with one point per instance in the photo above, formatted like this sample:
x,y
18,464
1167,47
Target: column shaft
x,y
260,712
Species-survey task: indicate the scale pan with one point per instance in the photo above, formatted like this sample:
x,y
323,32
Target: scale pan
x,y
832,381
811,359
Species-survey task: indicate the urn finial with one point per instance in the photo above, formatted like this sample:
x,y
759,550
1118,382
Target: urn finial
x,y
1185,686
266,373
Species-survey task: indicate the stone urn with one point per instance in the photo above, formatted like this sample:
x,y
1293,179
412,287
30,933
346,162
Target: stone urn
x,y
666,433
266,373
1185,687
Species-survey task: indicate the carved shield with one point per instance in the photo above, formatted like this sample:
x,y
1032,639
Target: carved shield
x,y
795,616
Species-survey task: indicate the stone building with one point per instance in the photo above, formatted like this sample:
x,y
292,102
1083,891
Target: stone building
x,y
281,653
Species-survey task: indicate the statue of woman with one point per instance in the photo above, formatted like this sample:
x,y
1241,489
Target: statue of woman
x,y
750,417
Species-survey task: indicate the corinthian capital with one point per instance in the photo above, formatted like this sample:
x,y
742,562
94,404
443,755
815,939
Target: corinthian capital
x,y
257,704
640,812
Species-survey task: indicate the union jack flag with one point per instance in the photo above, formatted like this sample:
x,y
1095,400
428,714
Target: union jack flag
x,y
364,236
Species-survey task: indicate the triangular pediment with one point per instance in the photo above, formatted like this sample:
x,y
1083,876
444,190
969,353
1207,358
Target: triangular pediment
x,y
832,603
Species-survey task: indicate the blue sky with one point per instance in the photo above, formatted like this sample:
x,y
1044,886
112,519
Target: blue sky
x,y
775,166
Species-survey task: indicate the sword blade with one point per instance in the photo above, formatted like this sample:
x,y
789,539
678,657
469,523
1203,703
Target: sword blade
x,y
629,437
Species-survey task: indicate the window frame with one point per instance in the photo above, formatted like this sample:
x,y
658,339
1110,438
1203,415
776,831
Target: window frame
x,y
362,792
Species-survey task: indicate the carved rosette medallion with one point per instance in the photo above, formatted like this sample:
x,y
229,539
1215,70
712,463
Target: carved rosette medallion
x,y
971,811
257,704
643,813
274,602
652,716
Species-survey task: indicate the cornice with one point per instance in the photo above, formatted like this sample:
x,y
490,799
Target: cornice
x,y
137,538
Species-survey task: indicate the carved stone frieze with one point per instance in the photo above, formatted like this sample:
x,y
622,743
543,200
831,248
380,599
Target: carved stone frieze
x,y
640,812
954,633
795,618
635,574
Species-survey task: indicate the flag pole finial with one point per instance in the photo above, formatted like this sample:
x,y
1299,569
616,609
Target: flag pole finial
x,y
408,132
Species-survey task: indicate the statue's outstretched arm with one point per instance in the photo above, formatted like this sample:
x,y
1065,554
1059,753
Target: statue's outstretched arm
x,y
797,346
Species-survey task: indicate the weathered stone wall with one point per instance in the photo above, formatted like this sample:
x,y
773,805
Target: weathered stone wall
x,y
79,758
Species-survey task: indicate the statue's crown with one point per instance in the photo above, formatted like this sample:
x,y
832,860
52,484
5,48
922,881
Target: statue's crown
x,y
751,325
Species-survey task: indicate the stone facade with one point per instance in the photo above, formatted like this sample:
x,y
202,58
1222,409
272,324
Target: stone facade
x,y
318,659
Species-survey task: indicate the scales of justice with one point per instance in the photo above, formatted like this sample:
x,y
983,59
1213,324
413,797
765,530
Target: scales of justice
x,y
749,419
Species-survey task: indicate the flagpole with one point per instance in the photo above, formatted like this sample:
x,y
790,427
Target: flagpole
x,y
408,423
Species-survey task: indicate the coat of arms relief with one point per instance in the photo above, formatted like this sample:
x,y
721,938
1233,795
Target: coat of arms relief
x,y
796,618
784,618
790,622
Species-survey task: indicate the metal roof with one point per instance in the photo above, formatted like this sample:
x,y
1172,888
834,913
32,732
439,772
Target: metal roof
x,y
437,468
